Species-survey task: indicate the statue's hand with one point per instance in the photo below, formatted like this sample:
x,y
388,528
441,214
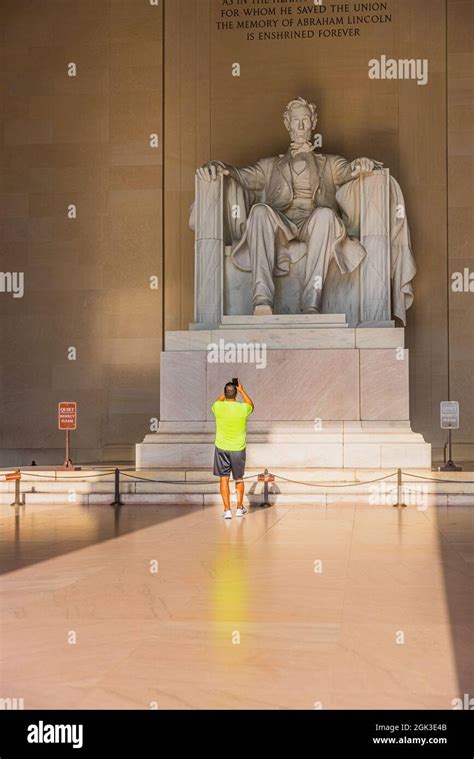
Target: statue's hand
x,y
364,166
212,170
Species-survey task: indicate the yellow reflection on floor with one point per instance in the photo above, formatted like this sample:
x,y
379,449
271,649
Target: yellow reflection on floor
x,y
230,591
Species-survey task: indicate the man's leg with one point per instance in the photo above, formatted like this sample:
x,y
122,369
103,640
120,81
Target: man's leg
x,y
238,459
222,470
225,492
240,488
321,231
261,237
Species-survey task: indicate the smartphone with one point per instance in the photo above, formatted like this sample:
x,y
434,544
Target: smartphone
x,y
235,381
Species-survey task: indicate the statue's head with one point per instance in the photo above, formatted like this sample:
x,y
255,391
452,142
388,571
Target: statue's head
x,y
300,119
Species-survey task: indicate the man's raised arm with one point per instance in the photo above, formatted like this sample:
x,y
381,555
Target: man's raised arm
x,y
245,396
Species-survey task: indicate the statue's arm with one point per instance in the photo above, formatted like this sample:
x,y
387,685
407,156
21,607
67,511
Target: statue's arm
x,y
249,177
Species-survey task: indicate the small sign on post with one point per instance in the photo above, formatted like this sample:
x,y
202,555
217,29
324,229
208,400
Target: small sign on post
x,y
449,420
16,477
449,411
67,420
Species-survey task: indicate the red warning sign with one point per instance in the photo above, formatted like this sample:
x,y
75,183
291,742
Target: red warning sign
x,y
13,476
67,415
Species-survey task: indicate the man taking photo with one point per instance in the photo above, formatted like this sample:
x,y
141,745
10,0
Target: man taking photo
x,y
230,452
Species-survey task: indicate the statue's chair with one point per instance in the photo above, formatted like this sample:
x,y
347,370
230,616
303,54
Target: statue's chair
x,y
223,289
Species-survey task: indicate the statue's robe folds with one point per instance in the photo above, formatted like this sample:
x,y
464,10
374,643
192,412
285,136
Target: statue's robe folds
x,y
269,181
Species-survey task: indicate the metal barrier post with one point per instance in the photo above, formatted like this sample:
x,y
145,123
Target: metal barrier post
x,y
450,466
266,477
399,502
17,501
117,501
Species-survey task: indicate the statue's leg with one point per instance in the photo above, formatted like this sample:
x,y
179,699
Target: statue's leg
x,y
262,226
320,232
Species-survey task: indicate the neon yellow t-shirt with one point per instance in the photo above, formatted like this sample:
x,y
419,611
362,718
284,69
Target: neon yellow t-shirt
x,y
231,421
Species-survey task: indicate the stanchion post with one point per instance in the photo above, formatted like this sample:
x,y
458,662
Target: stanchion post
x,y
266,477
17,501
117,501
399,502
450,466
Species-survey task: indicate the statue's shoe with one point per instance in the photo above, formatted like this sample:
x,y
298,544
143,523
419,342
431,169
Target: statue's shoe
x,y
263,310
311,311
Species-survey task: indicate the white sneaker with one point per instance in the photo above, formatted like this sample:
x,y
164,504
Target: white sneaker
x,y
227,514
240,512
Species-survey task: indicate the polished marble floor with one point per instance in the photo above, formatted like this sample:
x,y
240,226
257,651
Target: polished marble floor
x,y
289,608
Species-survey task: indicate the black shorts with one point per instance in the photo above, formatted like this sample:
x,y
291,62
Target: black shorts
x,y
226,462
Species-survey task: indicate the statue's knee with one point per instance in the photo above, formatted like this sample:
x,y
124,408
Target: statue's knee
x,y
260,212
325,214
321,217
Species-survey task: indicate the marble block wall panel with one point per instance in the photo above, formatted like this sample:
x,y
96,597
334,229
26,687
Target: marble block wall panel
x,y
384,391
188,340
362,455
284,338
198,454
295,385
183,386
414,456
160,455
385,337
295,455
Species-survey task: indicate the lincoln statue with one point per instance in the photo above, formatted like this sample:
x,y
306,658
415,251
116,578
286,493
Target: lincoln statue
x,y
297,193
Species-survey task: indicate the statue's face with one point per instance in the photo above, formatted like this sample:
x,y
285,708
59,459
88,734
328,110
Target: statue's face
x,y
300,127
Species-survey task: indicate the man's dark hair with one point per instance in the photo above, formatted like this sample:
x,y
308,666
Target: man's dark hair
x,y
230,391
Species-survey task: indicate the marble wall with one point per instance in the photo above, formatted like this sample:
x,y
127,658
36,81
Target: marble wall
x,y
461,214
82,140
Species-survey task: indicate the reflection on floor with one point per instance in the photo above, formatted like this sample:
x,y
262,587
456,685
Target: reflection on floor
x,y
173,607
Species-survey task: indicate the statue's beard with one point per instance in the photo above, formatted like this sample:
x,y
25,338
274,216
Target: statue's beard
x,y
301,142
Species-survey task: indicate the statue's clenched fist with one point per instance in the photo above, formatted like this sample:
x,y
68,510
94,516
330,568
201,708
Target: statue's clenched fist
x,y
364,166
212,170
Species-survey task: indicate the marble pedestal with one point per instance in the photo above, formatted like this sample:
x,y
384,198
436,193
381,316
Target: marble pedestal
x,y
325,395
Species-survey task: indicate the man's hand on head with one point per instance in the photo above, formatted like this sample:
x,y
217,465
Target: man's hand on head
x,y
212,171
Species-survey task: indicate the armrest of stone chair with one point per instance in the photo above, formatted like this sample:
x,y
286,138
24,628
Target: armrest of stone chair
x,y
225,195
207,220
218,217
365,208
